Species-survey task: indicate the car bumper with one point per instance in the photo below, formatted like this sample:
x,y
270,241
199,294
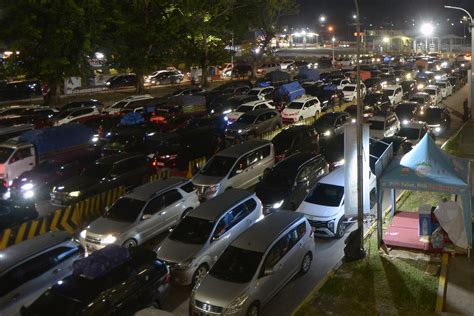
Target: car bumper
x,y
322,227
288,120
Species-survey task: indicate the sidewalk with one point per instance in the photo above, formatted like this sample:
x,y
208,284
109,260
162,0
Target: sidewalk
x,y
460,288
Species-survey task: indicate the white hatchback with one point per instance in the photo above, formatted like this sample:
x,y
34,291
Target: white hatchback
x,y
247,107
301,109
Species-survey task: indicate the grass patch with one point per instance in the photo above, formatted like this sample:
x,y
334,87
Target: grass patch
x,y
413,199
376,285
453,145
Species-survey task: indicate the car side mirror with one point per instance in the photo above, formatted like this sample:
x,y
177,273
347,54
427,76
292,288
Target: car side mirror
x,y
146,216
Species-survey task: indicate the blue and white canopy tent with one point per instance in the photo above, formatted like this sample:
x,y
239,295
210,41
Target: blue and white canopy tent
x,y
428,168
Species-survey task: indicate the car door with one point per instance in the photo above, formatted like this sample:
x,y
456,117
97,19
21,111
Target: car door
x,y
22,160
261,124
308,109
300,186
154,218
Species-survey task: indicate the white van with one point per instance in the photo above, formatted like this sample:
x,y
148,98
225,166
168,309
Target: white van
x,y
239,167
384,126
324,205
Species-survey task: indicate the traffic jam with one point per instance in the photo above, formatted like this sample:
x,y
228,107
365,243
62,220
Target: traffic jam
x,y
255,174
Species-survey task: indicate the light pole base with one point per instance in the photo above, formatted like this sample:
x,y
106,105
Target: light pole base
x,y
354,249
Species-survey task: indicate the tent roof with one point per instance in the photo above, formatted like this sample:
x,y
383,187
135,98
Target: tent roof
x,y
427,168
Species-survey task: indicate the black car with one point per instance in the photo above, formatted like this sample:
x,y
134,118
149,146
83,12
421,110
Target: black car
x,y
226,103
119,81
232,87
408,111
296,139
422,98
389,79
286,184
16,90
92,103
378,100
218,123
409,88
329,98
437,118
331,123
15,213
332,148
241,70
373,84
185,91
129,139
128,170
116,284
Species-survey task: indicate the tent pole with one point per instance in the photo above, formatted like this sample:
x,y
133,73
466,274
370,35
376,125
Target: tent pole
x,y
380,194
393,201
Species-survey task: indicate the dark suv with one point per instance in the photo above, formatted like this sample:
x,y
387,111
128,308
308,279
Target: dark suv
x,y
128,170
130,283
253,124
167,77
286,185
296,139
119,81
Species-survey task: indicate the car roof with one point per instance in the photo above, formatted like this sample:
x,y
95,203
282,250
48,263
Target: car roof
x,y
304,99
146,191
336,177
296,161
18,253
238,150
258,112
254,103
108,160
391,87
260,236
213,209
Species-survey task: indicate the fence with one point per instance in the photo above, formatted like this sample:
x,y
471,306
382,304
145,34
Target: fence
x,y
71,218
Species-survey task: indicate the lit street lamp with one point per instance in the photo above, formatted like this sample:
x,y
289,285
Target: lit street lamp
x,y
427,30
386,41
333,59
322,19
470,94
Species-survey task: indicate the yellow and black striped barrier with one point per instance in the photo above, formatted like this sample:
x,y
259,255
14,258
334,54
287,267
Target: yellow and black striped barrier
x,y
195,165
71,218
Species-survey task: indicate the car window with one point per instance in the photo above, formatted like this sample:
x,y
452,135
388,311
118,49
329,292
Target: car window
x,y
280,249
238,213
172,197
260,119
240,166
261,106
188,187
303,175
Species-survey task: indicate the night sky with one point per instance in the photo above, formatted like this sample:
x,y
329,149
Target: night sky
x,y
383,13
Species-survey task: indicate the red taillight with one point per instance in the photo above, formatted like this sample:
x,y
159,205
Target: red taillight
x,y
168,278
154,163
5,184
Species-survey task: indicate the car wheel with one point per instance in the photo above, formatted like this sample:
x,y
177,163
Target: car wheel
x,y
200,273
186,212
306,263
341,229
130,243
300,119
254,310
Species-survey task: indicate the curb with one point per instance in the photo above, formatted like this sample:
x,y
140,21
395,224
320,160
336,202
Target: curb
x,y
442,284
333,270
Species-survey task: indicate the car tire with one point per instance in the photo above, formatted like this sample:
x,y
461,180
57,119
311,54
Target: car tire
x,y
130,243
254,309
341,229
300,119
306,263
200,273
186,212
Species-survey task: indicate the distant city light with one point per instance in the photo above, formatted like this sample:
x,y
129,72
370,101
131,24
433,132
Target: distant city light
x,y
322,19
427,29
330,28
386,40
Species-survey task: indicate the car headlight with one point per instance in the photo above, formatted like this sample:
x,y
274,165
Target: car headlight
x,y
27,186
237,304
83,234
28,194
330,224
278,204
95,138
420,86
405,122
239,131
437,129
327,133
109,239
74,193
227,111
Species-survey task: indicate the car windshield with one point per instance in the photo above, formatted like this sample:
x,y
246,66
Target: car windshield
x,y
433,116
279,178
253,92
349,88
326,121
420,100
125,210
244,108
283,141
326,195
295,105
236,265
218,166
388,92
409,132
192,230
5,153
431,91
404,110
119,105
246,119
377,125
98,171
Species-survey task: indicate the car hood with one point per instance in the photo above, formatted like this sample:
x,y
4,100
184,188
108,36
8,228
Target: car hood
x,y
271,194
316,210
235,115
218,292
76,183
176,251
236,126
290,112
105,226
200,179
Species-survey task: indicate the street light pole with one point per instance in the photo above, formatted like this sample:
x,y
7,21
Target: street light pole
x,y
360,168
470,93
333,59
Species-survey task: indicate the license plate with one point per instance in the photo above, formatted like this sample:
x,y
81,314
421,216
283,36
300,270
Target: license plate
x,y
160,164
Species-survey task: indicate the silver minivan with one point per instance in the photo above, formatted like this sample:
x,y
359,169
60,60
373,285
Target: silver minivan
x,y
142,214
199,239
255,266
239,166
31,267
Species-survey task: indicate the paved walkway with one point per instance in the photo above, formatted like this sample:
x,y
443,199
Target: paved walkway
x,y
460,288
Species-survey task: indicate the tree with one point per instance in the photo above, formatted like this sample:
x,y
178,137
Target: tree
x,y
140,34
53,37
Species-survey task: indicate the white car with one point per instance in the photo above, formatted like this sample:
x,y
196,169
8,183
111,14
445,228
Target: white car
x,y
262,92
413,131
71,115
384,126
287,64
119,106
247,107
445,87
149,78
341,83
324,205
301,109
350,92
227,70
266,68
394,93
434,93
